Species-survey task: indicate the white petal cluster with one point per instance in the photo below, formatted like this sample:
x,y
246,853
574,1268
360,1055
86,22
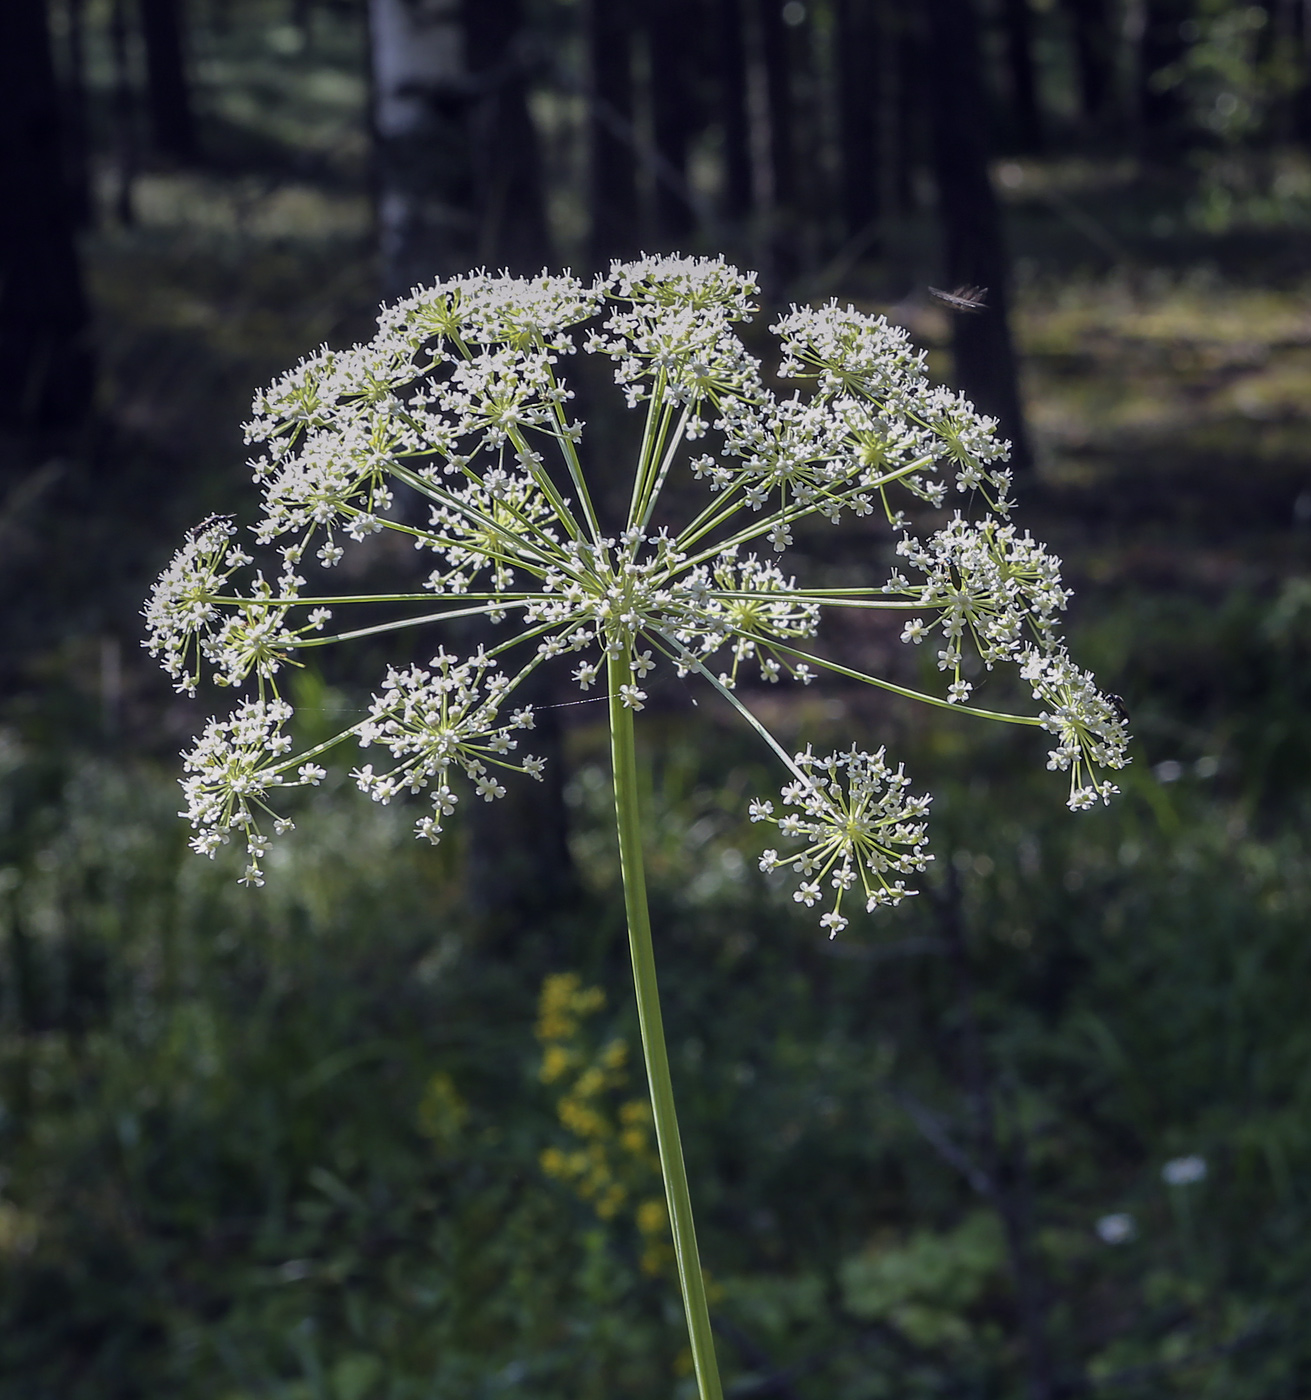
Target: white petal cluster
x,y
987,585
668,330
1090,733
851,356
233,765
435,718
857,821
181,609
485,309
756,604
187,622
450,434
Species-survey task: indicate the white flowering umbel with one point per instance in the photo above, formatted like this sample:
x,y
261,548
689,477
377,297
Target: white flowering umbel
x,y
451,432
451,428
860,823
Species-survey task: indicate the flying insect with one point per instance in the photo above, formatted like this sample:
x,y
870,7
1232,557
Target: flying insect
x,y
966,300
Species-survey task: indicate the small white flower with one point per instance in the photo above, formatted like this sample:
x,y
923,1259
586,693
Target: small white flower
x,y
633,698
1184,1171
1117,1228
780,535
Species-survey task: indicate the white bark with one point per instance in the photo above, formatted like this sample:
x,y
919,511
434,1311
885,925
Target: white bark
x,y
420,95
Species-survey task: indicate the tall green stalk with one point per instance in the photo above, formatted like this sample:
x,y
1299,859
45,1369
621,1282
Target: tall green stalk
x,y
654,1053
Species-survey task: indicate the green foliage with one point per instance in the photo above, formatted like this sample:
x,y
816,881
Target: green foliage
x,y
290,1143
926,1286
252,1147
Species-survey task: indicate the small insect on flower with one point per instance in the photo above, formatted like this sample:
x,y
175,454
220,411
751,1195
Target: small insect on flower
x,y
1117,704
966,300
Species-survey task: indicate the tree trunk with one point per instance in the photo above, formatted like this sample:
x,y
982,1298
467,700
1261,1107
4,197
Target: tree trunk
x,y
168,94
423,167
612,174
1026,117
75,118
126,151
509,209
856,60
973,240
1161,44
734,116
670,31
782,261
905,149
46,372
1094,54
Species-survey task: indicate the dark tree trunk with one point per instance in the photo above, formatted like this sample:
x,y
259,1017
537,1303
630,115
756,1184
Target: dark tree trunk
x,y
1026,116
168,94
780,109
860,104
973,240
731,75
1301,100
612,177
126,152
671,27
1094,54
423,162
75,117
1161,44
778,102
510,213
46,374
906,111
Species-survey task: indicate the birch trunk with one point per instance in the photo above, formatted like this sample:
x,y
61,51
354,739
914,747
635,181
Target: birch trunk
x,y
423,174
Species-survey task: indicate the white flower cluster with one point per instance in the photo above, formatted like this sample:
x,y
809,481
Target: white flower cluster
x,y
670,324
1090,733
986,584
858,821
451,431
439,717
185,624
862,360
236,761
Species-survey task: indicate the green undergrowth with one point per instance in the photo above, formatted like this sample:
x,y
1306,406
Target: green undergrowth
x,y
291,1142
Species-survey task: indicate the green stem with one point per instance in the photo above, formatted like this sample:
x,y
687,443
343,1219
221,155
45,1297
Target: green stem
x,y
640,947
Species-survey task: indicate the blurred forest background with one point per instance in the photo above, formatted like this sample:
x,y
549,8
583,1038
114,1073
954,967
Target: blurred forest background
x,y
1043,1132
